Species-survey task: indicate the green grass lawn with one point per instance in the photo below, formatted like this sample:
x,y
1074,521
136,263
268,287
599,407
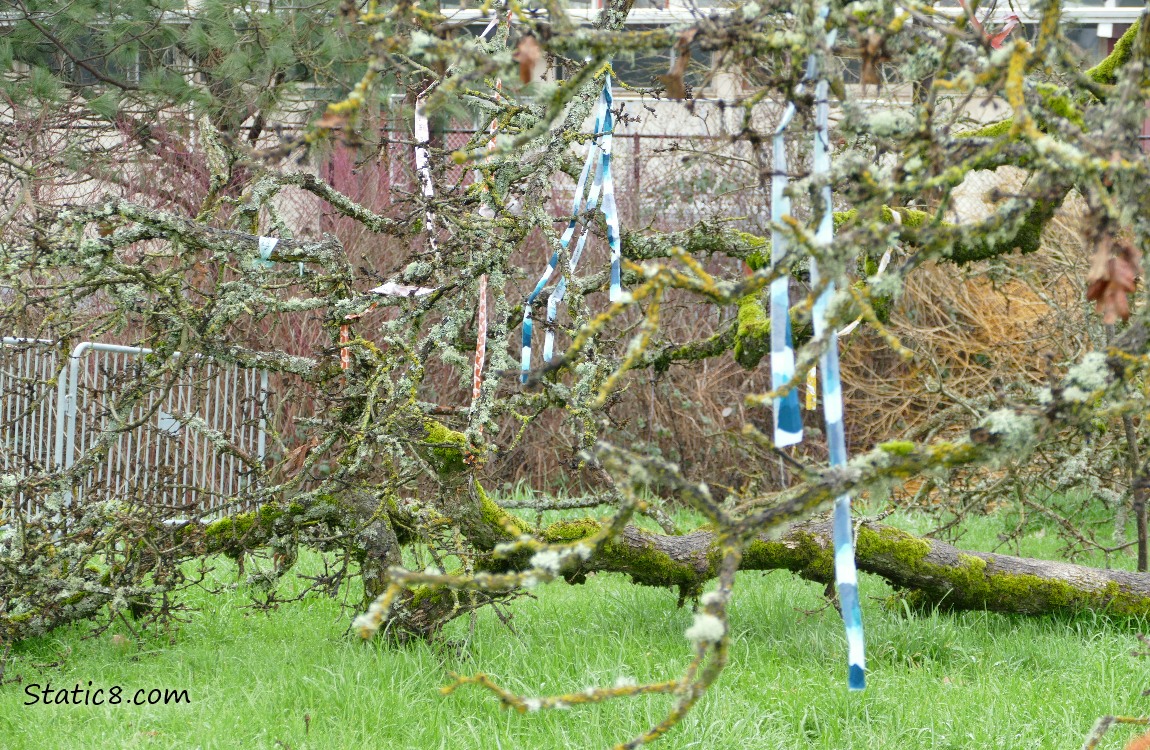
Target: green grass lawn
x,y
971,680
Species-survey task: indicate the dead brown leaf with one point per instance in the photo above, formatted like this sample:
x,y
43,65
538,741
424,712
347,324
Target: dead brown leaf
x,y
873,55
528,53
331,121
1112,277
293,462
673,84
672,80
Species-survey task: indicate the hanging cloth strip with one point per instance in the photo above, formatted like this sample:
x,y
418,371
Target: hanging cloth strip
x,y
597,169
788,419
846,576
812,400
423,170
481,312
344,351
422,133
427,187
266,245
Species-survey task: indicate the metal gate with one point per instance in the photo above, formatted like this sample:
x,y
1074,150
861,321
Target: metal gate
x,y
188,439
28,410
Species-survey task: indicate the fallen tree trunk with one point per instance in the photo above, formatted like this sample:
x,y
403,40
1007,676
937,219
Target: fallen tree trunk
x,y
931,571
934,571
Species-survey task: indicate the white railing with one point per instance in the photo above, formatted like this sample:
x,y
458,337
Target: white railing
x,y
27,409
192,442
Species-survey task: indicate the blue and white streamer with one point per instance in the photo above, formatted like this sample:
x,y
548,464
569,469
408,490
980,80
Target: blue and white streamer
x,y
590,166
788,425
846,576
597,171
610,211
788,419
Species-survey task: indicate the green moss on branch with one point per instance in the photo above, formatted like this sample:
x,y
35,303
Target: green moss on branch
x,y
694,351
1104,73
943,576
753,332
235,535
933,571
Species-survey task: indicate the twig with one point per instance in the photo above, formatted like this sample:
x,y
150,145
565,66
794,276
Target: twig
x,y
1103,725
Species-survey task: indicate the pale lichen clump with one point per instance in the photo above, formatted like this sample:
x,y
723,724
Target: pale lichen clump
x,y
890,123
552,560
1087,377
1014,431
368,623
706,629
548,560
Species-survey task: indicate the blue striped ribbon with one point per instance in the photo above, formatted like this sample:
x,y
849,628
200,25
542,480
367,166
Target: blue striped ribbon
x,y
592,165
788,419
525,359
846,576
610,211
788,423
597,170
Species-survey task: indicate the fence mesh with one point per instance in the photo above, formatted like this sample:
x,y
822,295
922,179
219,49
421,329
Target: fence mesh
x,y
189,443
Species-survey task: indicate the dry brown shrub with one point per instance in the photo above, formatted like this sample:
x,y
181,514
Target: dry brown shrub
x,y
977,332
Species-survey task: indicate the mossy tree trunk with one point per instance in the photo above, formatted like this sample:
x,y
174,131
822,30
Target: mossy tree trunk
x,y
932,571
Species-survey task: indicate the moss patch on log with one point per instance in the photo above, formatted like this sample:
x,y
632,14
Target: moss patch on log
x,y
573,530
971,584
1104,72
637,555
495,516
799,552
1026,240
447,448
236,534
753,334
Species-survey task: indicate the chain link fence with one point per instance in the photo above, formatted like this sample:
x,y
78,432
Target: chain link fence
x,y
662,180
28,412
